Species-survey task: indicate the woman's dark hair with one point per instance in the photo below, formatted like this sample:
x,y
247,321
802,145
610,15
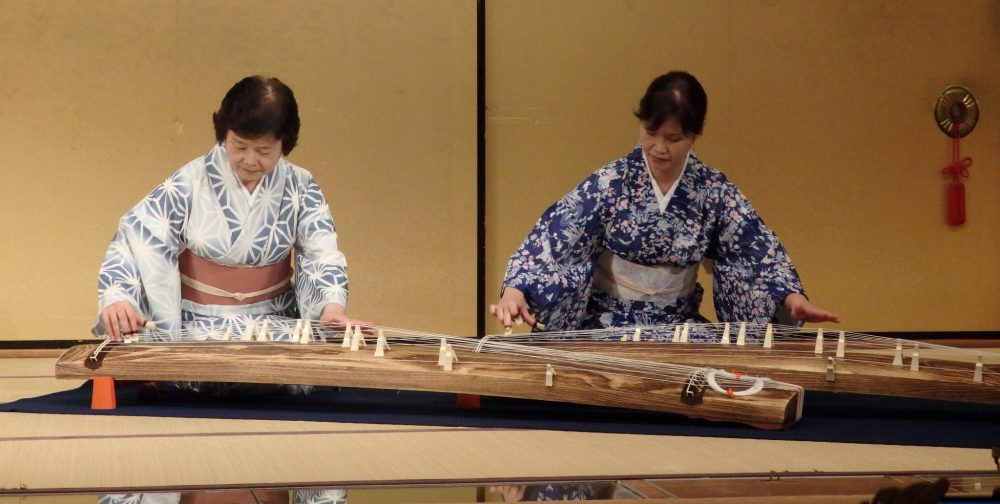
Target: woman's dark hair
x,y
675,95
256,106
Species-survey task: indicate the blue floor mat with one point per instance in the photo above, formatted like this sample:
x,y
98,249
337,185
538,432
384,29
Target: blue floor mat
x,y
847,418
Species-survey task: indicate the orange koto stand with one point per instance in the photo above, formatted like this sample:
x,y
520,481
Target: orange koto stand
x,y
103,397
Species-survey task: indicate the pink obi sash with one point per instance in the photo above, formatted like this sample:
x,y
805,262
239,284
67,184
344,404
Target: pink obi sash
x,y
206,282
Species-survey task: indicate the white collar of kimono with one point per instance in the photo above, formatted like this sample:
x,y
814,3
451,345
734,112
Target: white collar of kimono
x,y
663,198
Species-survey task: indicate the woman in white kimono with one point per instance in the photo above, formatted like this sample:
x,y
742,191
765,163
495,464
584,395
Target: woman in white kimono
x,y
213,244
623,247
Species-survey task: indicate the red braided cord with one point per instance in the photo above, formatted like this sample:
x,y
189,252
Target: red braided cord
x,y
958,167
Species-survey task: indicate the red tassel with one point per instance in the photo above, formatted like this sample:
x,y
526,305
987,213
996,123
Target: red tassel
x,y
958,169
956,203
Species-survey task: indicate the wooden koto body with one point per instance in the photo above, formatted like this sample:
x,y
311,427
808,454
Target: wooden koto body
x,y
416,367
942,373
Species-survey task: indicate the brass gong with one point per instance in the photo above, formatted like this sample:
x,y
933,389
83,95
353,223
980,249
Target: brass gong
x,y
956,106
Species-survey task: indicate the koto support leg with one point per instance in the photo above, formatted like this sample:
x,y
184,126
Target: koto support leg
x,y
103,396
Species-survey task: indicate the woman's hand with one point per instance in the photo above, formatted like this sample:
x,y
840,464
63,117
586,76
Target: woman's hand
x,y
121,318
800,309
336,315
511,308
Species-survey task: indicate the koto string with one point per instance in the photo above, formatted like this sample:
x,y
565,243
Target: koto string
x,y
701,334
790,342
188,339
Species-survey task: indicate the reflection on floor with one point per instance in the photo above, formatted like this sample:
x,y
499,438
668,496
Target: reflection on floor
x,y
775,489
50,459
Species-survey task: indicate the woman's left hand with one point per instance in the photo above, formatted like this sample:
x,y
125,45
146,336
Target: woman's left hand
x,y
336,315
801,309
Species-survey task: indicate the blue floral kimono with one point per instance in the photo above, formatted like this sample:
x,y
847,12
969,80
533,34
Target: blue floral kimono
x,y
205,208
616,210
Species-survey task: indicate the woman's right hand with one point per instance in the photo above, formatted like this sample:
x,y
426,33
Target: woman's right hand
x,y
512,306
336,315
121,318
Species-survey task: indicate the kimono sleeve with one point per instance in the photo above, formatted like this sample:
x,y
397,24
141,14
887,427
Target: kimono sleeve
x,y
752,273
320,267
140,265
555,263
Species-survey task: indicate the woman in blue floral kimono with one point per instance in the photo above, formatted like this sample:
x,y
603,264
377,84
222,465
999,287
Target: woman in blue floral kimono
x,y
213,244
623,247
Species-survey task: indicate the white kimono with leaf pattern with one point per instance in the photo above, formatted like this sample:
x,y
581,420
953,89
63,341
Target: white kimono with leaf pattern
x,y
204,207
